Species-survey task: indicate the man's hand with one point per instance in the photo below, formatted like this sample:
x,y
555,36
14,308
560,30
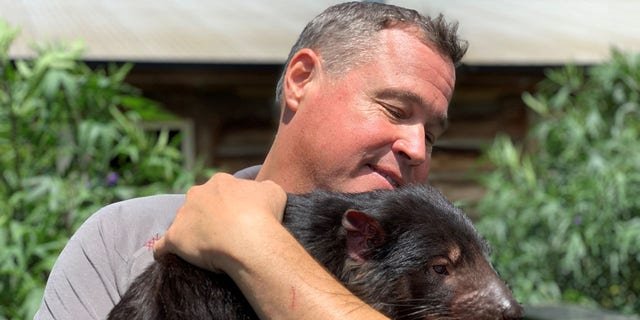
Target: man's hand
x,y
222,219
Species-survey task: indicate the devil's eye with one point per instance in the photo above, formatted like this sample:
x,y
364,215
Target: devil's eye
x,y
440,269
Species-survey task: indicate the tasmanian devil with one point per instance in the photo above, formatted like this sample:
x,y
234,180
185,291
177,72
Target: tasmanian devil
x,y
408,252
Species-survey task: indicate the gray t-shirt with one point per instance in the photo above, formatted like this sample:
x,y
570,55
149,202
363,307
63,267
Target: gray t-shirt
x,y
107,253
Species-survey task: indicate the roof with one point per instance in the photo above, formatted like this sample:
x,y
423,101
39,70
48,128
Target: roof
x,y
500,32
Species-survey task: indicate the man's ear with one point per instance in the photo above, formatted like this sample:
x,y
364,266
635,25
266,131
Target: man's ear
x,y
363,234
302,69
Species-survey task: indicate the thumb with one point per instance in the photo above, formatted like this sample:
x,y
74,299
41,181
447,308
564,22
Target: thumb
x,y
160,248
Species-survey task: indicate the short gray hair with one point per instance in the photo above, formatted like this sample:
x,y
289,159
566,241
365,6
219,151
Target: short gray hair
x,y
342,35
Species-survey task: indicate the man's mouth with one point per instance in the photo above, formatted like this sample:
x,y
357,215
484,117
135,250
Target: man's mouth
x,y
389,176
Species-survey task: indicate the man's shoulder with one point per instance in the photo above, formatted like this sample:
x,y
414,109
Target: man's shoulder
x,y
143,211
120,230
128,224
155,205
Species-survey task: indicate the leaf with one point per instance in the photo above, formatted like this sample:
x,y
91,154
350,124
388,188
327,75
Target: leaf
x,y
560,99
7,35
535,104
118,75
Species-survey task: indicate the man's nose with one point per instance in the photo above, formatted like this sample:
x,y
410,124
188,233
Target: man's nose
x,y
412,145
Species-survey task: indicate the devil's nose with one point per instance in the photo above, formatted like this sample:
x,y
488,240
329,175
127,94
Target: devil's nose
x,y
512,310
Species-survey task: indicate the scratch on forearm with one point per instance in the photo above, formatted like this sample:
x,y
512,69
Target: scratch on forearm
x,y
293,298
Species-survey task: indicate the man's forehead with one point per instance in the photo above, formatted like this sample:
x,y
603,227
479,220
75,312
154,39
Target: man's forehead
x,y
414,52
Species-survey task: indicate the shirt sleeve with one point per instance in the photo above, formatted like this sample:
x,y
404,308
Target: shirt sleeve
x,y
104,255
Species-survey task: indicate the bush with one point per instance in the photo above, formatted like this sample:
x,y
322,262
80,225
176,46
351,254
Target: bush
x,y
563,208
69,144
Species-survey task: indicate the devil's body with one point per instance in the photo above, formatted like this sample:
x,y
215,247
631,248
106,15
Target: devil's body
x,y
422,259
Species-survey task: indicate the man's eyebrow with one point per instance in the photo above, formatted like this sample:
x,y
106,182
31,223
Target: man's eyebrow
x,y
405,95
410,97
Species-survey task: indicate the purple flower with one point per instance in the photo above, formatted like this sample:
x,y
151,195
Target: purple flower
x,y
577,220
112,179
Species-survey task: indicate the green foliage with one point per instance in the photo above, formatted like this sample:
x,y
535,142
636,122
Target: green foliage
x,y
563,211
68,146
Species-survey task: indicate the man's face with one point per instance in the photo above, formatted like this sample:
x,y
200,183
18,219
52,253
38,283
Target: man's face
x,y
373,127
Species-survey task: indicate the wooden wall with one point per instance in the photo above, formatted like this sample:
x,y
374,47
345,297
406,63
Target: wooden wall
x,y
232,110
487,102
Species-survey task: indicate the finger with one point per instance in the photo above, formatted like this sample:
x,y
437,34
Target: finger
x,y
278,198
159,248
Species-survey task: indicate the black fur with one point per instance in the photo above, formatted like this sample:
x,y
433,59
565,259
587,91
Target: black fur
x,y
401,275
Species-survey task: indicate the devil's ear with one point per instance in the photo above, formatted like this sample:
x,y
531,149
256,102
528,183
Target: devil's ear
x,y
363,233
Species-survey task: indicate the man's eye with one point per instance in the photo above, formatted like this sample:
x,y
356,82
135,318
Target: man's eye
x,y
395,112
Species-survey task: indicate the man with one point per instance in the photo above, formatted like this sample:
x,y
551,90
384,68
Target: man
x,y
364,96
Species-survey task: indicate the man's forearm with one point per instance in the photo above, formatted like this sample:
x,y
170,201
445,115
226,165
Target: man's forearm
x,y
282,281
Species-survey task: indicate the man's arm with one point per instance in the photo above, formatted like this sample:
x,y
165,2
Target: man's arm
x,y
282,281
234,225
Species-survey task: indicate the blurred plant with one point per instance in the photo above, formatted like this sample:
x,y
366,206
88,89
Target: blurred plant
x,y
69,144
564,211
